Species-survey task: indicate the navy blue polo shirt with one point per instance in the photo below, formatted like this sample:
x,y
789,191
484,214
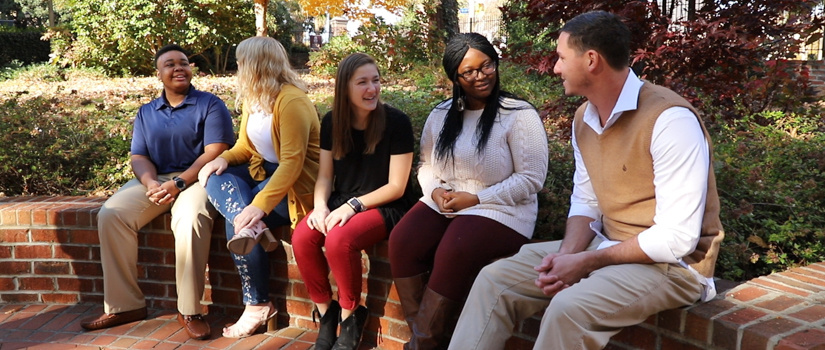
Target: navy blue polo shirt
x,y
173,137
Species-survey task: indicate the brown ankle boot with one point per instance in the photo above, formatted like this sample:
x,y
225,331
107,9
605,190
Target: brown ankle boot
x,y
434,322
410,290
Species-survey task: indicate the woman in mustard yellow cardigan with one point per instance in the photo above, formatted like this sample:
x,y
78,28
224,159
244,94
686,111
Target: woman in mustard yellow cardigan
x,y
269,174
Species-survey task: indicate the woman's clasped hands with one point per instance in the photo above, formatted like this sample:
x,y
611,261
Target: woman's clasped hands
x,y
323,220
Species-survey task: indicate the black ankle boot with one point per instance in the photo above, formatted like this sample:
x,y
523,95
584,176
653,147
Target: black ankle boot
x,y
327,332
351,330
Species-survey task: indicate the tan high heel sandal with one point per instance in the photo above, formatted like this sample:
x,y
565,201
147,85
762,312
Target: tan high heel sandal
x,y
246,239
252,321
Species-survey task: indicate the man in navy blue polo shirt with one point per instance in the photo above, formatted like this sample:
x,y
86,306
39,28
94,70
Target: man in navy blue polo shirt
x,y
173,137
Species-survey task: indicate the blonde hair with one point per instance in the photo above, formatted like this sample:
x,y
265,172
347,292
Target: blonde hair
x,y
263,68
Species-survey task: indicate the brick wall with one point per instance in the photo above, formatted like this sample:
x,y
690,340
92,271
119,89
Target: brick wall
x,y
816,69
49,254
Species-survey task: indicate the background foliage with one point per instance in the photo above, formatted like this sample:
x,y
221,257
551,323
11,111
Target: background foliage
x,y
730,60
119,35
23,46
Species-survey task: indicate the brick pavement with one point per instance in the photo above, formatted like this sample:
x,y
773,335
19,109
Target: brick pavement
x,y
46,327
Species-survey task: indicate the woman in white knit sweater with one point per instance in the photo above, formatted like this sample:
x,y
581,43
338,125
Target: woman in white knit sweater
x,y
483,159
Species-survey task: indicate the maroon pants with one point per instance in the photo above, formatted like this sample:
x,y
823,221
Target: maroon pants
x,y
343,245
453,250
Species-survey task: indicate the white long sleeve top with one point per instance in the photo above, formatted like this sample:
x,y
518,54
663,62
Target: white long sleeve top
x,y
506,176
680,167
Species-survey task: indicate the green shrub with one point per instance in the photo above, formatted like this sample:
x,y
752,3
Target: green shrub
x,y
770,182
324,62
57,149
23,45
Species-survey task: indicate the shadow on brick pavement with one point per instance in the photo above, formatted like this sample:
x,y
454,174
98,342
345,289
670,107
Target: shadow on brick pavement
x,y
58,327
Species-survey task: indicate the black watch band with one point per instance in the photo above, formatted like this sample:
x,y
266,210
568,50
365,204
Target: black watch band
x,y
356,205
179,183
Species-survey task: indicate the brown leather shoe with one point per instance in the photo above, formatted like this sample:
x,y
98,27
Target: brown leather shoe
x,y
111,320
195,325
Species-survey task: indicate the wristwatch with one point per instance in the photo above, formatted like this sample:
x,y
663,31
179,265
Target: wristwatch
x,y
179,183
356,205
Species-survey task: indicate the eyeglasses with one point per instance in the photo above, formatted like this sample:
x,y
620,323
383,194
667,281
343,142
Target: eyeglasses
x,y
471,75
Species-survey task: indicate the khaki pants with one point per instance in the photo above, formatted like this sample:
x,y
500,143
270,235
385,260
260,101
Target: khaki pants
x,y
124,214
583,316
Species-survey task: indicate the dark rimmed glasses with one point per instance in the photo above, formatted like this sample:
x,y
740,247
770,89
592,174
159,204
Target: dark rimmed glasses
x,y
471,75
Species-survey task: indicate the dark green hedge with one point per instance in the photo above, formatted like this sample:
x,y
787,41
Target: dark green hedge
x,y
25,47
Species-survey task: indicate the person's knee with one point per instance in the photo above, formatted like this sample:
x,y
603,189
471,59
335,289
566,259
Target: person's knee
x,y
109,214
302,238
568,305
339,244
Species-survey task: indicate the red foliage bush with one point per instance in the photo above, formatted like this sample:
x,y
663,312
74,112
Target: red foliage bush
x,y
730,58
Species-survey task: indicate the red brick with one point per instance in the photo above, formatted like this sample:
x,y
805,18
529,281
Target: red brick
x,y
6,284
51,268
5,252
84,237
39,217
159,240
153,256
813,339
807,277
818,267
780,303
24,216
33,252
59,298
762,281
45,235
19,298
15,267
698,318
69,217
810,314
86,269
53,215
74,284
636,337
14,235
747,293
36,283
671,320
160,273
782,278
758,336
8,217
725,328
75,252
669,343
84,219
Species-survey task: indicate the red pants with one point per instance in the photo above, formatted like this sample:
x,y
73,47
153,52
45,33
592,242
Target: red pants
x,y
343,247
454,250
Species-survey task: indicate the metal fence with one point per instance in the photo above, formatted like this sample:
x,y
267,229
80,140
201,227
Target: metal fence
x,y
489,26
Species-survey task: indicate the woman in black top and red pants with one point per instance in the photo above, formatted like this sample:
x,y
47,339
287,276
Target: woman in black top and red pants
x,y
363,189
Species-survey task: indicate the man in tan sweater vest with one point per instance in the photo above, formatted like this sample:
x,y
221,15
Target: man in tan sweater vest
x,y
643,230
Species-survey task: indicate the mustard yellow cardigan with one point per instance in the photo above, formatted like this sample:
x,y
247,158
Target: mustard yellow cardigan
x,y
296,138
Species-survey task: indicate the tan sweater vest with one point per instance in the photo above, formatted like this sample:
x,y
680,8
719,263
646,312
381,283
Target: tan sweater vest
x,y
621,171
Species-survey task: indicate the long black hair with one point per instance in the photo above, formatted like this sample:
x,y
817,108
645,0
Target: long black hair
x,y
453,55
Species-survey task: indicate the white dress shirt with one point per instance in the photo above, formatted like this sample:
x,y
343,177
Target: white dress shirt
x,y
680,169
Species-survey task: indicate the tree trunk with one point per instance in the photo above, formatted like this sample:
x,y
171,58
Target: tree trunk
x,y
50,5
444,17
260,17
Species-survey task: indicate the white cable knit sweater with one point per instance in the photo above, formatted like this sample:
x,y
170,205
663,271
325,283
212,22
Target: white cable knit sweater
x,y
506,176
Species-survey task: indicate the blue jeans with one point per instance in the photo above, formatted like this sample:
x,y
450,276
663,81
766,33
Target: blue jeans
x,y
230,192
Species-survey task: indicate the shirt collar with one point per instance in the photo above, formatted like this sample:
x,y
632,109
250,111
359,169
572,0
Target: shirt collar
x,y
190,99
628,101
